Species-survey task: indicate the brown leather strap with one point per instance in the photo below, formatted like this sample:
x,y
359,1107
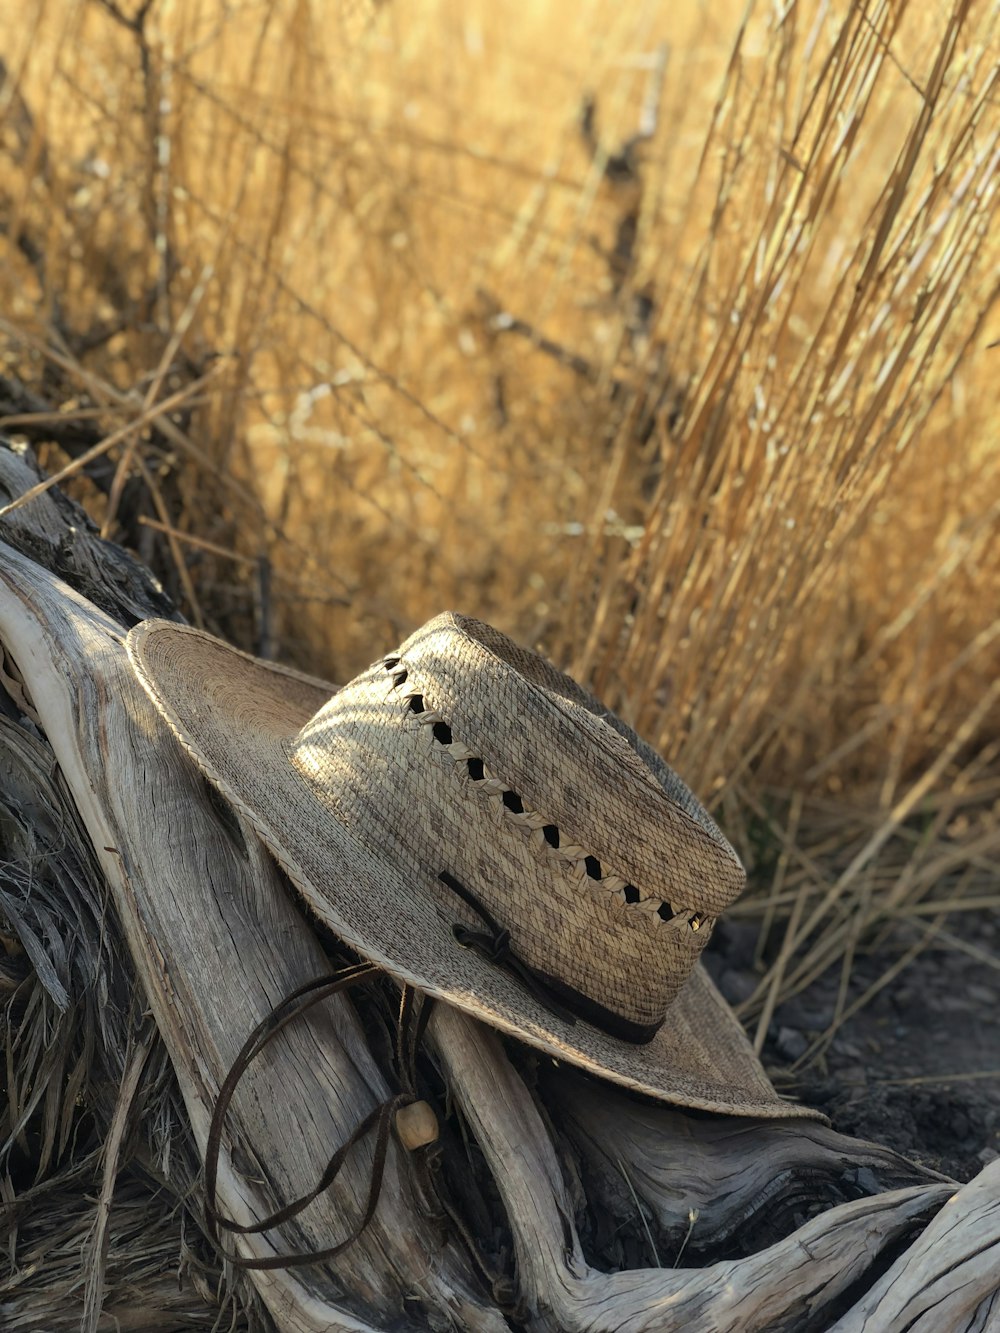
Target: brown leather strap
x,y
494,945
414,1012
561,1000
292,1007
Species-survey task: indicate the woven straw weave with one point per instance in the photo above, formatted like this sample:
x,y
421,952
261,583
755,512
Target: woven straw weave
x,y
462,752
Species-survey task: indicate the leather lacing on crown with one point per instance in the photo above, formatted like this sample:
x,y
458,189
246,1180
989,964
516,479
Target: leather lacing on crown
x,y
544,834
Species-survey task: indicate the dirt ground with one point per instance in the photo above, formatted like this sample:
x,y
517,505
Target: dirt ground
x,y
918,1069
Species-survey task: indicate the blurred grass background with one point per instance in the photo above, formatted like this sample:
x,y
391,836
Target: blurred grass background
x,y
662,336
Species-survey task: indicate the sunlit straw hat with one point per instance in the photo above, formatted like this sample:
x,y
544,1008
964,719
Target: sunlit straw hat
x,y
475,823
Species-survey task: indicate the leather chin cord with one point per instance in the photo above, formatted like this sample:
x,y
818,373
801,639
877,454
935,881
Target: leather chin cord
x,y
418,1132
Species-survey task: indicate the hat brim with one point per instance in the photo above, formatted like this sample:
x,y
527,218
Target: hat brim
x,y
211,696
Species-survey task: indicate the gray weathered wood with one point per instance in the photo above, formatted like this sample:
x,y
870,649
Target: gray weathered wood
x,y
724,1180
773,1289
949,1278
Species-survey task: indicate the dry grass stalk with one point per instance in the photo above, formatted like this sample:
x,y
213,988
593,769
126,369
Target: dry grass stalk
x,y
707,454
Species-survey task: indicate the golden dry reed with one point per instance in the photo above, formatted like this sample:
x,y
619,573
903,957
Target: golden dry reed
x,y
662,336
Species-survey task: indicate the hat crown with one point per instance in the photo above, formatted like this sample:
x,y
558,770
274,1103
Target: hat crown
x,y
464,753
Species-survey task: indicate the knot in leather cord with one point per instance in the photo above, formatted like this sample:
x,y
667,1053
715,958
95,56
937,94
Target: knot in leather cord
x,y
494,948
494,945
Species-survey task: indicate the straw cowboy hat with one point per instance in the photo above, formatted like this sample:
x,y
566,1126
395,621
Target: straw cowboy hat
x,y
476,824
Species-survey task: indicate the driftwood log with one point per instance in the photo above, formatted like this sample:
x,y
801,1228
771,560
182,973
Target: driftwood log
x,y
141,920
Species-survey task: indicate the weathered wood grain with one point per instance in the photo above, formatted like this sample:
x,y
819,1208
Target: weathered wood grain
x,y
775,1289
713,1184
949,1278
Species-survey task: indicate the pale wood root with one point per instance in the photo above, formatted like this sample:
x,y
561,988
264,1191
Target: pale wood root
x,y
769,1290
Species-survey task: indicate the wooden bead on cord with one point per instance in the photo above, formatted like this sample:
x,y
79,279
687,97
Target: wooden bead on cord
x,y
416,1125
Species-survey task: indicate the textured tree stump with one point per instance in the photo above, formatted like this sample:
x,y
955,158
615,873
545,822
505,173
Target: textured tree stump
x,y
127,887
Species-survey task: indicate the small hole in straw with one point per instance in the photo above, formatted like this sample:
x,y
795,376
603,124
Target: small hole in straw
x,y
551,835
476,769
513,802
665,912
593,866
417,703
631,893
442,732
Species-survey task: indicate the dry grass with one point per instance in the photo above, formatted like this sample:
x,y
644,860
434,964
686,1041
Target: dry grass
x,y
369,326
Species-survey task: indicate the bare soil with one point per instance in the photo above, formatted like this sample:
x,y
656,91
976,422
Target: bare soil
x,y
918,1068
